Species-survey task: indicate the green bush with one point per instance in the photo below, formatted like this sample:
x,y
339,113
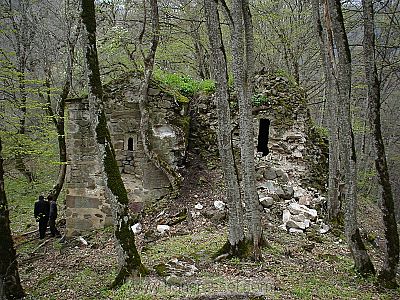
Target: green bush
x,y
185,85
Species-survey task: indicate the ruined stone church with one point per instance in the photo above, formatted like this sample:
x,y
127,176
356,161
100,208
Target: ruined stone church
x,y
286,144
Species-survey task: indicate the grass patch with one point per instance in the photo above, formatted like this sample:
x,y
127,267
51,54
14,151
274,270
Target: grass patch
x,y
197,246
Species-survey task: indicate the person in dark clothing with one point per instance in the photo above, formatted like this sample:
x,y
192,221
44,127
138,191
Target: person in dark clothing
x,y
41,213
53,216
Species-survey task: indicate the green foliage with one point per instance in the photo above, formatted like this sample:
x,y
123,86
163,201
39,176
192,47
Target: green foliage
x,y
260,99
185,85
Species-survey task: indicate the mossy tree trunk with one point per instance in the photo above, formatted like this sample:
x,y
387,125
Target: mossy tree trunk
x,y
173,176
10,284
219,70
243,64
327,56
128,257
347,150
387,275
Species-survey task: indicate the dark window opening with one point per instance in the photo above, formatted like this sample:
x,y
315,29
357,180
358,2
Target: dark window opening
x,y
263,134
130,144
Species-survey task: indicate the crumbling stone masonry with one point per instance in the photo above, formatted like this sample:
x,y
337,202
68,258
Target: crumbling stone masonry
x,y
87,207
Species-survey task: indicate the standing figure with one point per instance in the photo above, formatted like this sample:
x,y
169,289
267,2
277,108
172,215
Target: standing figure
x,y
41,213
53,216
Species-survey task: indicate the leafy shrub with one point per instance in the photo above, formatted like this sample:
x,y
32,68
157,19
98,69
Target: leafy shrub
x,y
185,85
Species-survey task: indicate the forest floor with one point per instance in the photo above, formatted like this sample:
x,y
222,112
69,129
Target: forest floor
x,y
294,266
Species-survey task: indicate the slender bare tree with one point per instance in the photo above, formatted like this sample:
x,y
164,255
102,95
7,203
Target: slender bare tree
x,y
243,69
347,150
387,275
327,55
220,74
129,260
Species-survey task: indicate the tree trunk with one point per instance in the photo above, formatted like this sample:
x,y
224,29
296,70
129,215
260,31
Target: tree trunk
x,y
202,67
387,275
326,52
343,74
220,74
243,64
173,176
128,256
58,121
10,284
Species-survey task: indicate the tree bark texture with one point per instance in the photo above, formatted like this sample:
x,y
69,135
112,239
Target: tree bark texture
x,y
10,284
326,52
128,256
220,74
243,64
348,156
387,275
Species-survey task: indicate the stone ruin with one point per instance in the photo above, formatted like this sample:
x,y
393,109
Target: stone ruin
x,y
291,157
86,207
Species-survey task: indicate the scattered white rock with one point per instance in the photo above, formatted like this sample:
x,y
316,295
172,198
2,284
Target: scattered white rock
x,y
299,218
198,206
295,230
136,228
220,205
297,209
324,228
307,223
283,227
83,241
163,228
286,216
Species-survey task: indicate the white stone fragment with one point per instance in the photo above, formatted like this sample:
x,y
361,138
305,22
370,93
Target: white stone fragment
x,y
198,206
286,216
307,223
282,226
83,241
295,230
324,228
297,209
136,228
220,205
163,228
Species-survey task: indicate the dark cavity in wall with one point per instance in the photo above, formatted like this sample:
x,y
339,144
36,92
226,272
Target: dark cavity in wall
x,y
130,144
263,134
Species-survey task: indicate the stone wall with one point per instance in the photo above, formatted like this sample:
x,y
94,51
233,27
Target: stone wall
x,y
87,207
